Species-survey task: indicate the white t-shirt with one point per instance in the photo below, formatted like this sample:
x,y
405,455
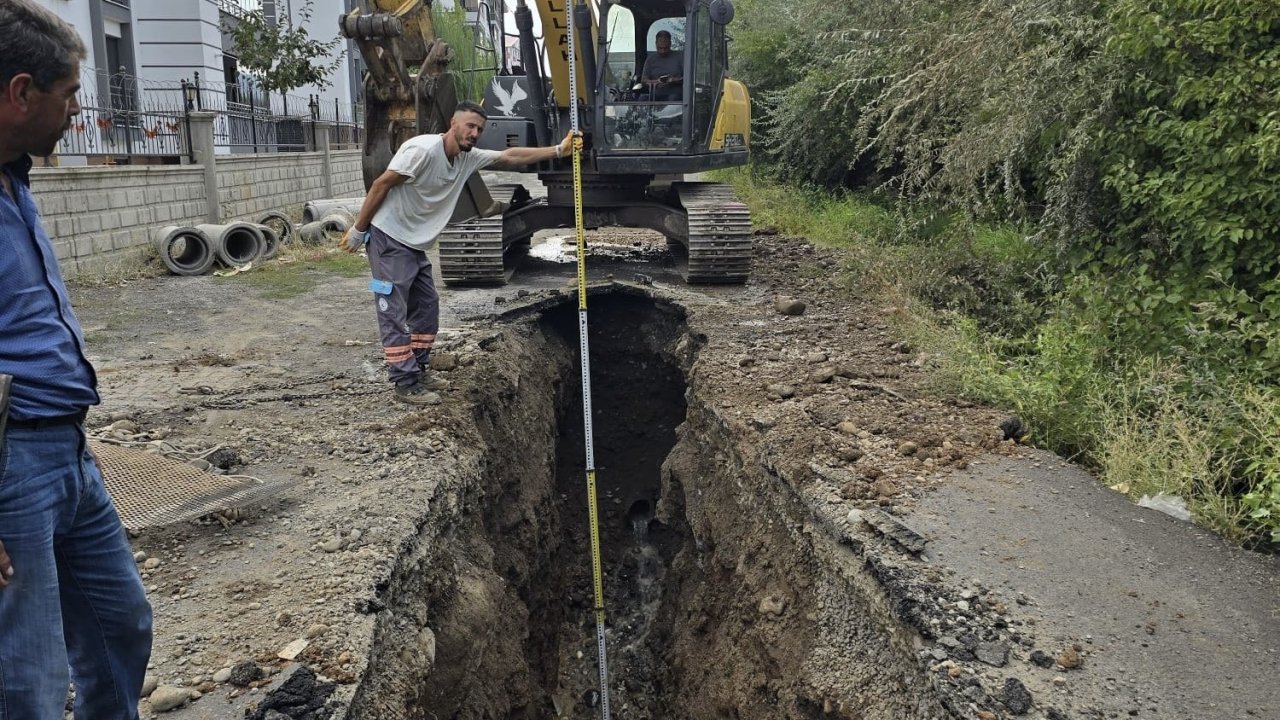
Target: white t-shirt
x,y
415,211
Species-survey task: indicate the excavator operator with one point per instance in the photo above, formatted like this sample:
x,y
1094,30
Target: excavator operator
x,y
663,70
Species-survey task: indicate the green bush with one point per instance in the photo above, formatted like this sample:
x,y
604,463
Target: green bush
x,y
1193,163
1082,199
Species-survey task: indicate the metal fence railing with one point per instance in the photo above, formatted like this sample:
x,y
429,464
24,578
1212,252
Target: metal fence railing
x,y
250,119
126,119
123,117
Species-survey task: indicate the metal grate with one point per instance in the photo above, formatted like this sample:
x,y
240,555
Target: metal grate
x,y
152,490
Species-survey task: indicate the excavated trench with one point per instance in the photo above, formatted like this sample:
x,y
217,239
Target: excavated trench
x,y
725,597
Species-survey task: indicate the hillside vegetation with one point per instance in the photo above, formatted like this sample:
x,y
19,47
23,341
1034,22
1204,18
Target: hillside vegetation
x,y
1076,205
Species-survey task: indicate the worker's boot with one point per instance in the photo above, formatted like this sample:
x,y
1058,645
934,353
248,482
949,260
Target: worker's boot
x,y
416,394
429,380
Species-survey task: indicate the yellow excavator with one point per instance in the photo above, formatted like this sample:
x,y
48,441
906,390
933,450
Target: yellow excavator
x,y
643,131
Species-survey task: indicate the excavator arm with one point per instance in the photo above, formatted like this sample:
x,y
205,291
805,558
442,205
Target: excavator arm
x,y
408,90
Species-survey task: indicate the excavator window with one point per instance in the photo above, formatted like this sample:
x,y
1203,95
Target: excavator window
x,y
708,72
648,112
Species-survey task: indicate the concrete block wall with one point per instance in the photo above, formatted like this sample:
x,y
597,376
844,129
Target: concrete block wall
x,y
97,216
249,185
348,177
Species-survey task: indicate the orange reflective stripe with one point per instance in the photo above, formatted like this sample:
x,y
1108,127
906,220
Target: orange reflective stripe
x,y
397,353
422,342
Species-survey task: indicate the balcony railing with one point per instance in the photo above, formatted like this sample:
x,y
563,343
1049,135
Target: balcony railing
x,y
239,8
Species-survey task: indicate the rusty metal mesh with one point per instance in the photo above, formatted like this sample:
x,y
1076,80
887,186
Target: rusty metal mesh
x,y
152,490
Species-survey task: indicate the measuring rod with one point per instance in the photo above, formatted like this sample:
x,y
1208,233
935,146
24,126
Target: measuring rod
x,y
586,366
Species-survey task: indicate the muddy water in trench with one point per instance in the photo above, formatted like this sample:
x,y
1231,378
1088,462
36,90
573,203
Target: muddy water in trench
x,y
638,400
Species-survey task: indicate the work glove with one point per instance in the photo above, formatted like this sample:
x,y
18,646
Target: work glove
x,y
354,240
565,148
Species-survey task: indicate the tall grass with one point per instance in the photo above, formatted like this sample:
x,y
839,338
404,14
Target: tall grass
x,y
1145,424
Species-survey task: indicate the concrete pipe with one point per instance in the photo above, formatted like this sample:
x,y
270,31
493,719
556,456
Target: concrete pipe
x,y
326,230
184,250
234,244
314,210
270,242
280,223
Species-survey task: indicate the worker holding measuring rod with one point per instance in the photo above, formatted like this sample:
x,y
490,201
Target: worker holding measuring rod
x,y
407,207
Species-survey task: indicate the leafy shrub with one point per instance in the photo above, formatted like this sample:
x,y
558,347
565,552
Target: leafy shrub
x,y
1193,161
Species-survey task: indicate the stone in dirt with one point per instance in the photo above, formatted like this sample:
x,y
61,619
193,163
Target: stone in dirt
x,y
1016,696
1070,659
224,458
293,649
822,375
849,454
149,684
789,306
1012,428
167,697
781,391
1041,658
244,673
443,361
772,605
995,654
885,488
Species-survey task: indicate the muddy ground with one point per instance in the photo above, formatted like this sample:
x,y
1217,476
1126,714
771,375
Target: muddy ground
x,y
793,524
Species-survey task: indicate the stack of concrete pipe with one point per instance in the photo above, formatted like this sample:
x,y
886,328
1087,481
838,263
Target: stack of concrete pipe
x,y
325,221
328,229
193,250
314,210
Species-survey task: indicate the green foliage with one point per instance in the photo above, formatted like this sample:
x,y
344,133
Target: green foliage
x,y
281,56
475,59
1193,162
991,273
1139,422
1131,306
982,106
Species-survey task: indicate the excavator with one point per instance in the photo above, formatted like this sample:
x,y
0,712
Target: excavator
x,y
641,134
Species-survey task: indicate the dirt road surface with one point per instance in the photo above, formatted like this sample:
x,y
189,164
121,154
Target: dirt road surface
x,y
793,525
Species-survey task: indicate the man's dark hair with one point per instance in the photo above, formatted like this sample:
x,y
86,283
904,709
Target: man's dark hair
x,y
37,42
472,107
662,33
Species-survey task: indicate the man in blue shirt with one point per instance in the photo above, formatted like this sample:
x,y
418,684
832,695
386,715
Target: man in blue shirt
x,y
70,593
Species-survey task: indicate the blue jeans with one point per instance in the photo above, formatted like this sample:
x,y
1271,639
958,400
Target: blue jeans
x,y
75,597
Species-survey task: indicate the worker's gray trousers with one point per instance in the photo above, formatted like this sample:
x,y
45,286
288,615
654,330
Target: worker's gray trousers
x,y
407,304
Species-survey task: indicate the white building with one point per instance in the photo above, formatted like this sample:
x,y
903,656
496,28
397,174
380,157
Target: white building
x,y
166,42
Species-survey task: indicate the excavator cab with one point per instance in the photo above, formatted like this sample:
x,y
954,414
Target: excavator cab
x,y
654,102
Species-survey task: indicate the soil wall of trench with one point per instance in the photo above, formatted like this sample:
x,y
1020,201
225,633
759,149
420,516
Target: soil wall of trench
x,y
726,598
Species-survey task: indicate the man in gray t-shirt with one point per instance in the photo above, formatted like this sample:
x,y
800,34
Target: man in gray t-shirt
x,y
663,72
406,208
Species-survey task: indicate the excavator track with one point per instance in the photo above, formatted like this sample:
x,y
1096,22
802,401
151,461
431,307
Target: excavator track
x,y
719,233
471,250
